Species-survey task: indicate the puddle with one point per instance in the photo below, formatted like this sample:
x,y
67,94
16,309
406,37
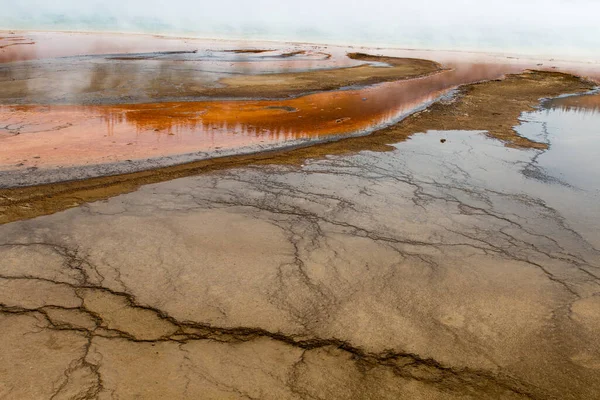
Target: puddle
x,y
571,126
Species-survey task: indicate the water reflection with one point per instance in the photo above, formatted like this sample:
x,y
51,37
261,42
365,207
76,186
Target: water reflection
x,y
587,104
571,126
111,133
103,73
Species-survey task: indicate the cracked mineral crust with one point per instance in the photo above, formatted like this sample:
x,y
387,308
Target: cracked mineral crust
x,y
376,275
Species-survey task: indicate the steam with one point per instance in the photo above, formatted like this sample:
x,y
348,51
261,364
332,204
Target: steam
x,y
553,28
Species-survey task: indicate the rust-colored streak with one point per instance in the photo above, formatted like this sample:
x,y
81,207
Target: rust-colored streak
x,y
69,135
72,135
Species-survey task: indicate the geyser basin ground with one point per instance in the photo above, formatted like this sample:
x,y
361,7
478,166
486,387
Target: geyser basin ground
x,y
448,255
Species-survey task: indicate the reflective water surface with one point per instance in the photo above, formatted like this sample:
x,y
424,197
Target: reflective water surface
x,y
66,68
120,132
573,132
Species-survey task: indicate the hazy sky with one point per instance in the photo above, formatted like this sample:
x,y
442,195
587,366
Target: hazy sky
x,y
554,27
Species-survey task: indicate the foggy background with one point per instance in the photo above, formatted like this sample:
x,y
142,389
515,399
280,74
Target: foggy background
x,y
555,28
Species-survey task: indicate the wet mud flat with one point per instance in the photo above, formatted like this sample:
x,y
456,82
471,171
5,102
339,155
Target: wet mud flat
x,y
430,270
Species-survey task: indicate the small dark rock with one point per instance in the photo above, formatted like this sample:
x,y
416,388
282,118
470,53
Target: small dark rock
x,y
443,140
